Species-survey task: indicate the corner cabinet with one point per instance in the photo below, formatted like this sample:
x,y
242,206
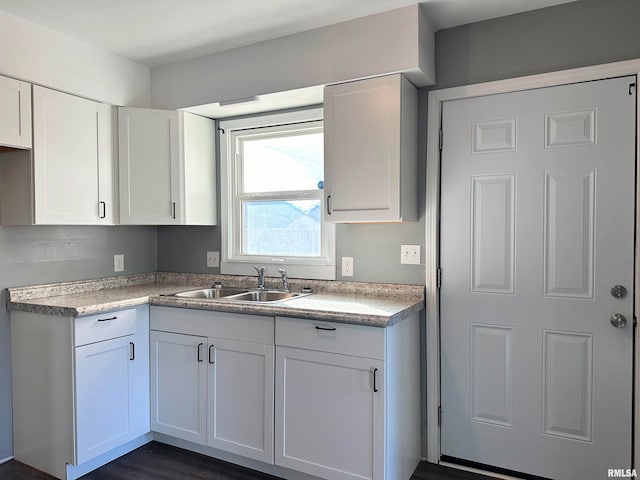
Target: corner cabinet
x,y
167,173
348,399
15,113
80,389
67,179
370,145
212,377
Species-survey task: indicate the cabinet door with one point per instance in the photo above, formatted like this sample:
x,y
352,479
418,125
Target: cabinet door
x,y
15,113
364,145
240,416
149,166
67,157
104,386
178,385
329,416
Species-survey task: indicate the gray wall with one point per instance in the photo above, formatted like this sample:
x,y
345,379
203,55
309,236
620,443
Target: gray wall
x,y
587,32
32,255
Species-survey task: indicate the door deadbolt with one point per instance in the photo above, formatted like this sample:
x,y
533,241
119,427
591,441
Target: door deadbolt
x,y
618,320
618,291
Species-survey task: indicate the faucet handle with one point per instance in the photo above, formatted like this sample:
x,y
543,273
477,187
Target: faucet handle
x,y
260,270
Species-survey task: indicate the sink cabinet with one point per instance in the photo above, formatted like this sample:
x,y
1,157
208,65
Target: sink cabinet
x,y
15,113
370,144
347,399
212,377
167,173
67,179
80,388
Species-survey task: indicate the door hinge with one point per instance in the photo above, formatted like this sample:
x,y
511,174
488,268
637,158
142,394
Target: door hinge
x,y
441,139
439,416
438,278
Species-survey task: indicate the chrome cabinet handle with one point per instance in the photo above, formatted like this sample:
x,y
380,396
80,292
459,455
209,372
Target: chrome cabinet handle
x,y
132,347
199,354
328,204
211,361
102,209
375,375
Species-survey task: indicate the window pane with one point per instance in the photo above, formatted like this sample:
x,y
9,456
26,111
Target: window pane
x,y
282,228
283,163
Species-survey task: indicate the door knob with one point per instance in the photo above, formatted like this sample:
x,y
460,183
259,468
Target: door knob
x,y
618,320
618,291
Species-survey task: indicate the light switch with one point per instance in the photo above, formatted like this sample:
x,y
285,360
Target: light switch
x,y
347,266
213,259
118,263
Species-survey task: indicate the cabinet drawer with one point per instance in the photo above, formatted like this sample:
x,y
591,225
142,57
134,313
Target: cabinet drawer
x,y
347,339
104,326
206,323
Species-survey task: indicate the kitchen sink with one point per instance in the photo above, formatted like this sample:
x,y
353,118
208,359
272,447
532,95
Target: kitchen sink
x,y
239,294
262,296
212,292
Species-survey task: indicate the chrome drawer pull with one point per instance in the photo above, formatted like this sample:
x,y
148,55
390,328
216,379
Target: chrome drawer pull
x,y
107,319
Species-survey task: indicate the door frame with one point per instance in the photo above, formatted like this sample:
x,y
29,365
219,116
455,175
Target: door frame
x,y
432,221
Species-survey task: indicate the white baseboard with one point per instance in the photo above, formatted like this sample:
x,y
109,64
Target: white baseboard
x,y
4,460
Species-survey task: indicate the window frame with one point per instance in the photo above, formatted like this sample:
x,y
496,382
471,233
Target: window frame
x,y
233,261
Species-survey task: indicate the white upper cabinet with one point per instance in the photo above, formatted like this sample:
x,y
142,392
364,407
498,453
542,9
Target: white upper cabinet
x,y
370,132
167,168
15,113
67,179
73,159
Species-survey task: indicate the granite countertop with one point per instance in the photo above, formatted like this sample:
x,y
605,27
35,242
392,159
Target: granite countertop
x,y
371,304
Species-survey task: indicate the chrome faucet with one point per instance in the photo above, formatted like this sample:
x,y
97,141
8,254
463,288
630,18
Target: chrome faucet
x,y
285,279
260,271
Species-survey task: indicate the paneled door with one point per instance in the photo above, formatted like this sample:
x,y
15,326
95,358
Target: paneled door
x,y
537,255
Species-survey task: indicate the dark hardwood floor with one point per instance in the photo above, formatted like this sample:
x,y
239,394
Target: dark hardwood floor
x,y
157,461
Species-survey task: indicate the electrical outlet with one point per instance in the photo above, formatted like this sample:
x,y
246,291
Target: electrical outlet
x,y
410,254
213,259
118,263
347,266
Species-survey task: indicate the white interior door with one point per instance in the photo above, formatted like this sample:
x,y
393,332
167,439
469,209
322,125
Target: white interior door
x,y
537,226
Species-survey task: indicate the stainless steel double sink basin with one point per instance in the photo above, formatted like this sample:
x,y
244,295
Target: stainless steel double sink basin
x,y
240,294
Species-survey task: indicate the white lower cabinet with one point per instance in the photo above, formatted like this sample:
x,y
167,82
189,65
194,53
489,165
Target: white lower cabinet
x,y
212,377
110,405
305,398
348,399
240,393
80,388
330,415
178,386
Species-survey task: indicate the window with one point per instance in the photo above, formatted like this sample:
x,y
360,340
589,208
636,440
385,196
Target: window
x,y
272,199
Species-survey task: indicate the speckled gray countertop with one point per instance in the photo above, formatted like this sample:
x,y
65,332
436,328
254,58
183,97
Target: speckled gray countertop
x,y
373,304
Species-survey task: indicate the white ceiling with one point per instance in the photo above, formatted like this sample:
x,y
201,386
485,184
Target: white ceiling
x,y
159,32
